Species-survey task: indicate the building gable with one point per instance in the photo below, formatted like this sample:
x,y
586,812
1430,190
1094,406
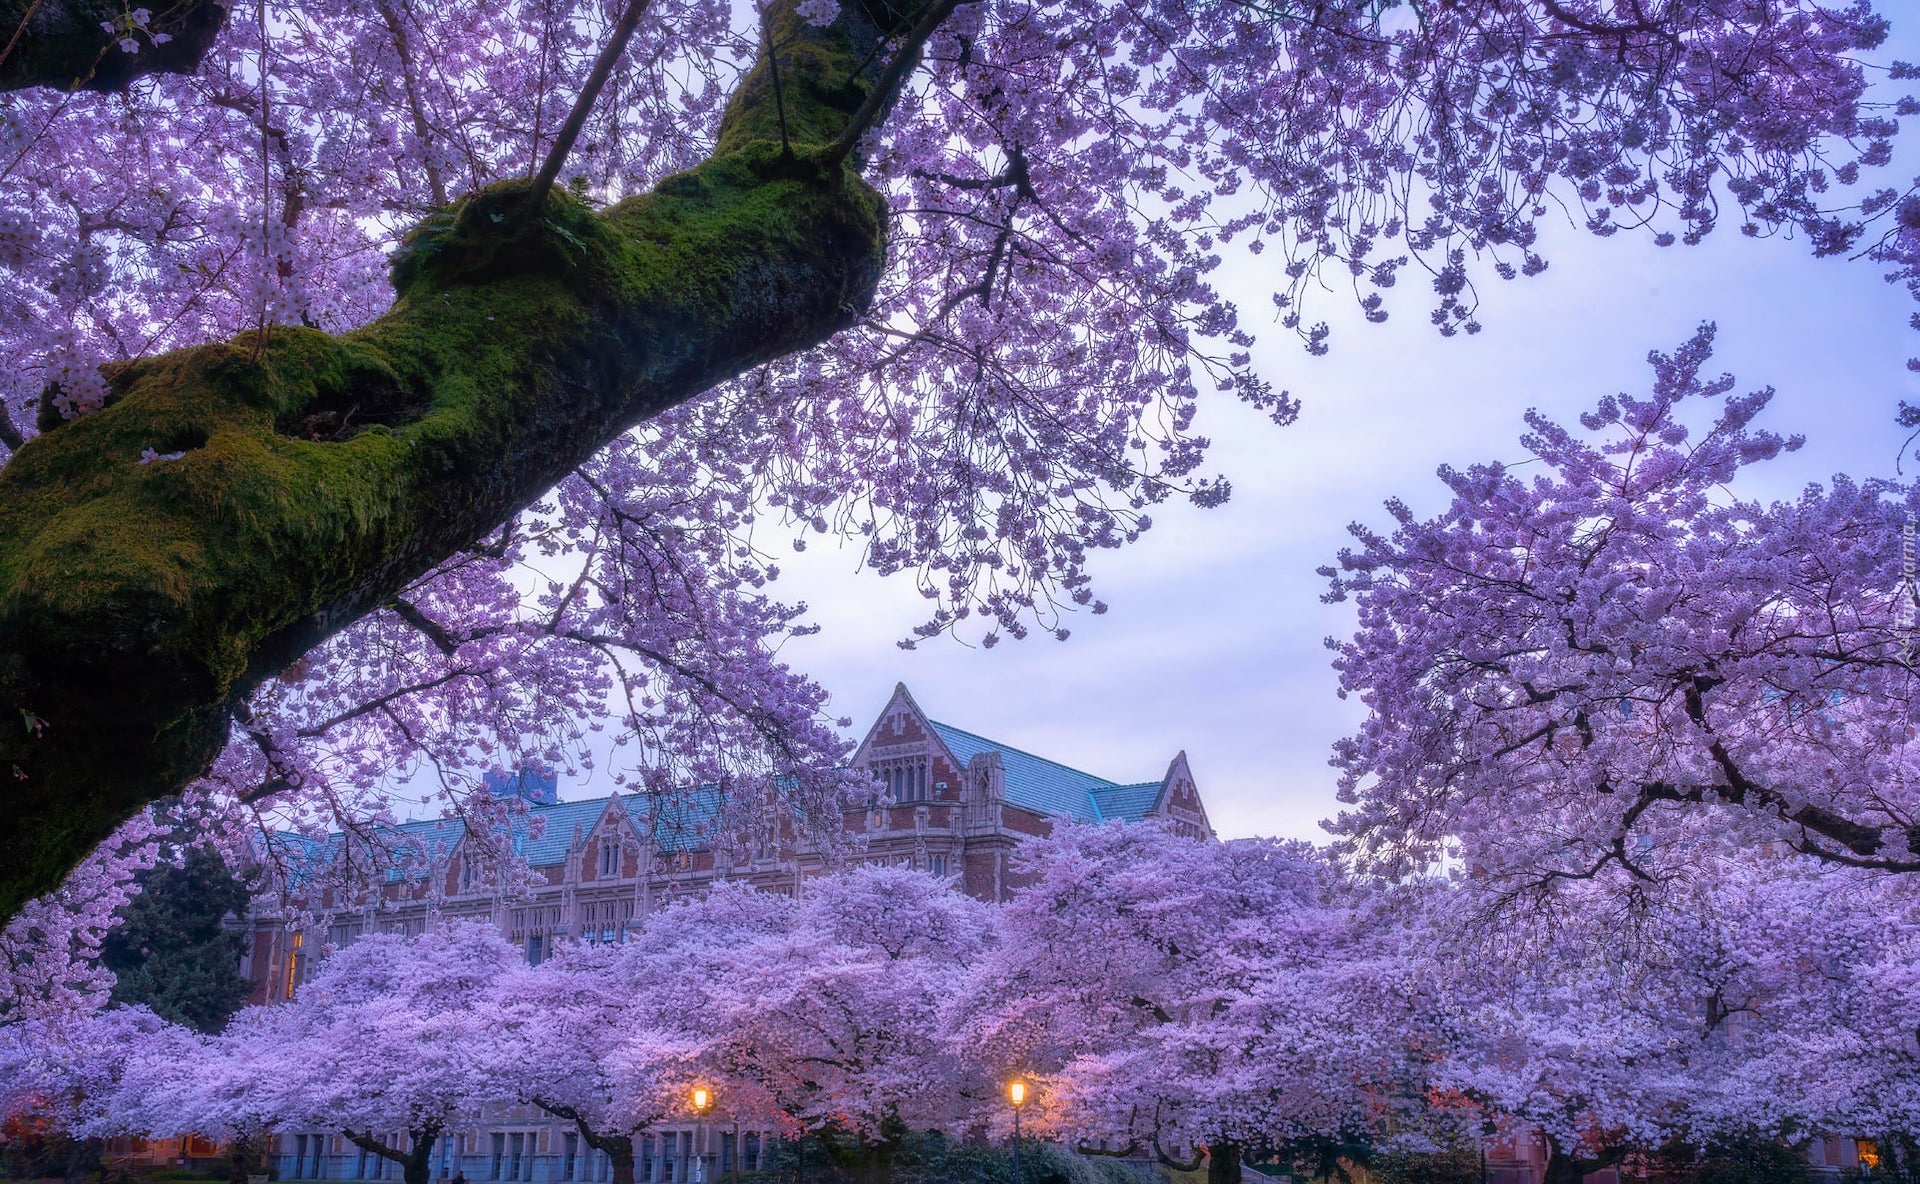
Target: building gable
x,y
1179,800
908,756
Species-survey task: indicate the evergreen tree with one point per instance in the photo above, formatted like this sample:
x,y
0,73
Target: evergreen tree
x,y
172,952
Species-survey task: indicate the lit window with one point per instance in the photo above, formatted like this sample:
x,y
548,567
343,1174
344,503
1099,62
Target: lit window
x,y
293,962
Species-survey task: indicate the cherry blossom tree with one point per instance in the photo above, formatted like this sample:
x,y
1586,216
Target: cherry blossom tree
x,y
819,1016
830,1026
580,1049
50,951
80,1069
1568,672
1173,993
1158,992
280,518
1757,996
392,1034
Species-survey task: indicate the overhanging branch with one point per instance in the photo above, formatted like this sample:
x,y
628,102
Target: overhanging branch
x,y
140,603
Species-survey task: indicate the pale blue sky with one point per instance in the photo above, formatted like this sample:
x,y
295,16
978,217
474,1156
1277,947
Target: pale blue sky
x,y
1213,642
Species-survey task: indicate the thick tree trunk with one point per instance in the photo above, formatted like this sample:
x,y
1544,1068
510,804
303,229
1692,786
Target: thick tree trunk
x,y
617,1148
83,1158
1563,1168
68,43
419,1163
141,602
416,1162
1223,1163
245,1149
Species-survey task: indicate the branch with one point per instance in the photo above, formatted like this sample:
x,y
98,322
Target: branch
x,y
881,96
397,30
1159,1013
367,1142
431,629
1863,842
140,604
610,1144
1179,1165
583,105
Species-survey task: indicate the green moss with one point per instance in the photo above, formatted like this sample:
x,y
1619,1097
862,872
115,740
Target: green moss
x,y
318,475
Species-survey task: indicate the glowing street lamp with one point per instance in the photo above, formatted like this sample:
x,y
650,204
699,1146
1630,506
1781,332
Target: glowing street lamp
x,y
1017,1094
702,1102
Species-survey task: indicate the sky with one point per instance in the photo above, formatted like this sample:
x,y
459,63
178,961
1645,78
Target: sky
x,y
1214,640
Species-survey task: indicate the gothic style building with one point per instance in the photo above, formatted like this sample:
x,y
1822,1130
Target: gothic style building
x,y
946,801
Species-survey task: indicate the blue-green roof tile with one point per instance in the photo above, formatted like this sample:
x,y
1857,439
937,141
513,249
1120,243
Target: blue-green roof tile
x,y
1126,803
1049,787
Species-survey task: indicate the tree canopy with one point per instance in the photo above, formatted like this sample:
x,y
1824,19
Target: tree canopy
x,y
1164,997
340,445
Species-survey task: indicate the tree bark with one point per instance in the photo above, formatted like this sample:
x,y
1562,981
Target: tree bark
x,y
617,1148
1223,1163
416,1162
141,602
1563,1168
65,44
246,1148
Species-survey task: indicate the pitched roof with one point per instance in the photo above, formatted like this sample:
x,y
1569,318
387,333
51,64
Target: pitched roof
x,y
678,823
1049,787
679,828
1130,803
556,830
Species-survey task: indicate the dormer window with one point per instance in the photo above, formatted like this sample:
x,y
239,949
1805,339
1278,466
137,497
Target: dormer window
x,y
609,857
469,872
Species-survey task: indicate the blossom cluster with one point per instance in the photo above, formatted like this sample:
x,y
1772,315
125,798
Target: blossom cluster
x,y
1063,182
1571,674
1159,994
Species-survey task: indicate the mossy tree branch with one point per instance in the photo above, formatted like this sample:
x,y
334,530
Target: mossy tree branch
x,y
140,603
67,43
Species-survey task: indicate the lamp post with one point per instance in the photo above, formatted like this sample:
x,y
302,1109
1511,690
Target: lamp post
x,y
702,1102
1017,1094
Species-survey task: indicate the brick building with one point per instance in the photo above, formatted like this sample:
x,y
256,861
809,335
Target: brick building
x,y
948,802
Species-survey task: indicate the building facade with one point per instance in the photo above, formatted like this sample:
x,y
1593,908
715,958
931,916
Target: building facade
x,y
946,801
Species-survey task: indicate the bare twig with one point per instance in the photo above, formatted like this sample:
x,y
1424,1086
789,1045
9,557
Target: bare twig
x,y
896,73
24,22
582,106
